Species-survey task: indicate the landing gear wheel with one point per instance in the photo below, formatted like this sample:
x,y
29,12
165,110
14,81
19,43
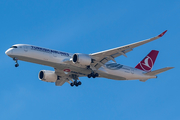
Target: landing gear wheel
x,y
93,75
76,83
16,65
96,74
79,83
89,75
72,84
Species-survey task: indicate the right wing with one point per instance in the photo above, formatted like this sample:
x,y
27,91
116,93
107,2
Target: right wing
x,y
100,58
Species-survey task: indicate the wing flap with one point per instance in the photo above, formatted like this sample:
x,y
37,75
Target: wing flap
x,y
61,81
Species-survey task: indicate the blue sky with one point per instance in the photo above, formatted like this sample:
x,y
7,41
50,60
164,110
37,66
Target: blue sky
x,y
87,27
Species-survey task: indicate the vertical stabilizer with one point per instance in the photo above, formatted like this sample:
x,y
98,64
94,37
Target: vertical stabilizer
x,y
147,63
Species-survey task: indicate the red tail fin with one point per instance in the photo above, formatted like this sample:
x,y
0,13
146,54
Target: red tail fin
x,y
147,63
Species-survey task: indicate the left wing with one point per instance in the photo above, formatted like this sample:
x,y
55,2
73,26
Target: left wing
x,y
65,77
100,58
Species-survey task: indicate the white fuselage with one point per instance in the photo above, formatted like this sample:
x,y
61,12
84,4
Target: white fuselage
x,y
61,61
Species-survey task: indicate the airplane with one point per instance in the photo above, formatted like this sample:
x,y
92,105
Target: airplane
x,y
69,67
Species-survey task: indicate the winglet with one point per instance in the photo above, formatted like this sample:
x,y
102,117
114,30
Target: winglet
x,y
162,33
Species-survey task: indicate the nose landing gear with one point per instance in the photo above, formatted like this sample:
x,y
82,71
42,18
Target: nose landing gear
x,y
16,61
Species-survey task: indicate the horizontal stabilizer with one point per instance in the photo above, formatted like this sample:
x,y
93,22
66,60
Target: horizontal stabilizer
x,y
158,71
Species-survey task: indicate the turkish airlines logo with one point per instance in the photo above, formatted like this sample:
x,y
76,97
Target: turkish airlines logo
x,y
67,70
147,64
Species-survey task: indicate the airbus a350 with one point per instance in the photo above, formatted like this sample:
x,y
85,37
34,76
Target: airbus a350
x,y
70,67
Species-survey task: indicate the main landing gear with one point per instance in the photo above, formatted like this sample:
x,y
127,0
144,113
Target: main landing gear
x,y
75,82
16,61
93,75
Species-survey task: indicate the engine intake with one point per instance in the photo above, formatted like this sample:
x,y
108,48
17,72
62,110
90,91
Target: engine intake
x,y
82,59
47,75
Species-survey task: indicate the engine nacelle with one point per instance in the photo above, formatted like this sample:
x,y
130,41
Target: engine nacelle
x,y
47,75
82,59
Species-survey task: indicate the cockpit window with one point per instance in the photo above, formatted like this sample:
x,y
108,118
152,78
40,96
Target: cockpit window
x,y
13,47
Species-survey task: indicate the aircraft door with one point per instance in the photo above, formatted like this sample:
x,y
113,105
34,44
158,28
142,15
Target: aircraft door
x,y
132,71
25,48
54,54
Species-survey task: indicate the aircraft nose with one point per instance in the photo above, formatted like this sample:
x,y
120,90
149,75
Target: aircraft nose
x,y
8,52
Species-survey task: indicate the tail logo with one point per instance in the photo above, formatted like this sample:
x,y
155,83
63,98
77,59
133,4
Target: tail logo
x,y
147,64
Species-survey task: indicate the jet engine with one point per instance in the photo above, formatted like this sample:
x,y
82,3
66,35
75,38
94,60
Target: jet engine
x,y
47,76
82,59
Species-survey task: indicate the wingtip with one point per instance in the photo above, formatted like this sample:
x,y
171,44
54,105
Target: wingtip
x,y
162,33
170,68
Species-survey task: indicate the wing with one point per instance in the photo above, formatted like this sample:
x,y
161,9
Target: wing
x,y
100,58
65,77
